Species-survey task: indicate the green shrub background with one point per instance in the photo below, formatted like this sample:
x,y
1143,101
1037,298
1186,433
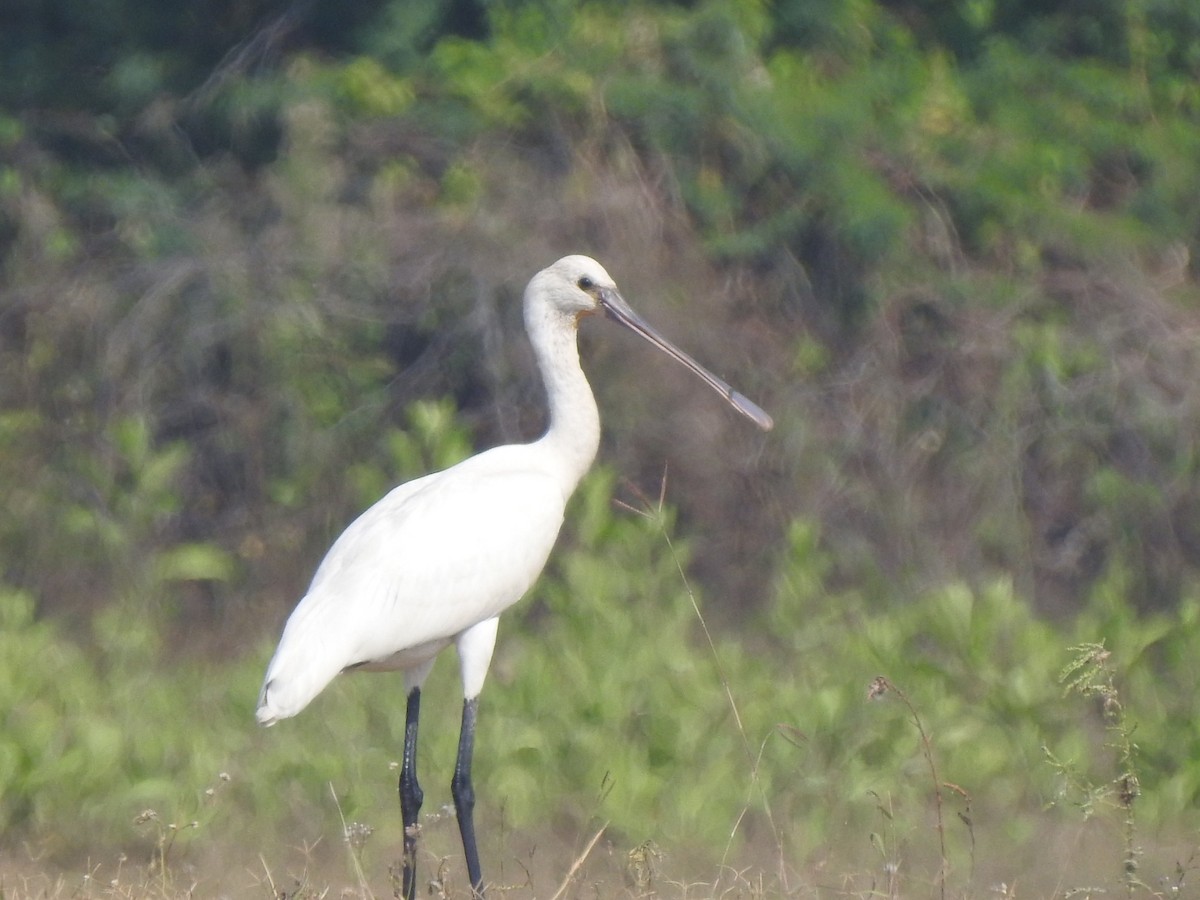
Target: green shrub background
x,y
257,264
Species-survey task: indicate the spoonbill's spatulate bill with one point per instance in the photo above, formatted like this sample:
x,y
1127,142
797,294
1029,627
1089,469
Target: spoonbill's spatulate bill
x,y
438,559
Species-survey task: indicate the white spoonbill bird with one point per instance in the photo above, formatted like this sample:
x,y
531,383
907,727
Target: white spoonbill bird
x,y
437,560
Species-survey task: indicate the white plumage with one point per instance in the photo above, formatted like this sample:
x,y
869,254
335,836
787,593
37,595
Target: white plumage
x,y
438,559
433,558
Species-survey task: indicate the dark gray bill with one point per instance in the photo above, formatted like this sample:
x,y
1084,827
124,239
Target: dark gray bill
x,y
619,311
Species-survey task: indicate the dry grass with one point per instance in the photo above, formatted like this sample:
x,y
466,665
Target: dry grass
x,y
1067,862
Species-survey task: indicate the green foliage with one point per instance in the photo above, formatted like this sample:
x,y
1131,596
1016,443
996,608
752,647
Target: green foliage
x,y
85,743
231,259
609,696
979,667
433,440
1083,152
602,693
372,90
983,671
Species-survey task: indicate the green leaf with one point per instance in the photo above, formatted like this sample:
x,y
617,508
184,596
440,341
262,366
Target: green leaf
x,y
194,562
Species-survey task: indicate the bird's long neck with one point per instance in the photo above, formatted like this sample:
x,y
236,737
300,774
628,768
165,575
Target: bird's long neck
x,y
573,436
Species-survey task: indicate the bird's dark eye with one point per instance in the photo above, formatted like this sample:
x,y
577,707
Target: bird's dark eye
x,y
585,283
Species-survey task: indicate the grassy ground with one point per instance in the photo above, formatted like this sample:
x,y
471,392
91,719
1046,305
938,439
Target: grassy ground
x,y
1067,863
1043,854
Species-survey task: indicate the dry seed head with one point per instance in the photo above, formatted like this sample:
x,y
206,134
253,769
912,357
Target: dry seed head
x,y
879,687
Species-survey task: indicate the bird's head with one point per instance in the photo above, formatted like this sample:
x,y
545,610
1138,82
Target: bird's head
x,y
578,286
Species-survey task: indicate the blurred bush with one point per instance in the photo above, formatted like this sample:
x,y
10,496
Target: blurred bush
x,y
952,249
607,702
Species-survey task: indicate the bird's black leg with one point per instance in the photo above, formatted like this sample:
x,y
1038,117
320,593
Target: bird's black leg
x,y
464,794
410,794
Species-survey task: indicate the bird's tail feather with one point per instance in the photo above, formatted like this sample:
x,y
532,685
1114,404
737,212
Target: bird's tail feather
x,y
300,670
